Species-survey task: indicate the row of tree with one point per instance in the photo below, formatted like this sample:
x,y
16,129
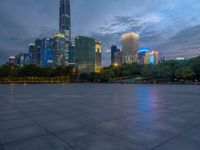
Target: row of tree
x,y
167,71
33,71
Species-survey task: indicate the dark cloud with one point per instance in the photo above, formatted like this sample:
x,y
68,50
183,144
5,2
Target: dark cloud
x,y
162,26
184,43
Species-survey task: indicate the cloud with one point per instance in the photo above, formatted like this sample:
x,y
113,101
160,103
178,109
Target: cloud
x,y
161,23
184,43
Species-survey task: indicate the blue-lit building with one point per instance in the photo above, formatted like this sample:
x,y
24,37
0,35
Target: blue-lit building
x,y
47,52
151,57
114,50
141,55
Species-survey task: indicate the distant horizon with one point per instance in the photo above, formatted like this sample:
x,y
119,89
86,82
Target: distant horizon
x,y
165,27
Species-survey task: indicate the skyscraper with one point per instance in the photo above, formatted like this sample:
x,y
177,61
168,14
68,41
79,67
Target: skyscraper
x,y
65,19
31,51
98,56
118,59
60,50
114,49
85,54
38,52
72,53
130,46
47,52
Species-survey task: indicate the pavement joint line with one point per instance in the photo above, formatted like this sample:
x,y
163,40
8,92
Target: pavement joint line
x,y
53,134
25,139
178,135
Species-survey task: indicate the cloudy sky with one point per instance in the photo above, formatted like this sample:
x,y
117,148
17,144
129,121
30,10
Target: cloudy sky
x,y
171,26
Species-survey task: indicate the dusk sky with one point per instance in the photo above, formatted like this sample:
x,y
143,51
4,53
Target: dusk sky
x,y
171,26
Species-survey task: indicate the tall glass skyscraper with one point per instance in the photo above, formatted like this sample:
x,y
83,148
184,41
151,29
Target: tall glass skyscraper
x,y
65,19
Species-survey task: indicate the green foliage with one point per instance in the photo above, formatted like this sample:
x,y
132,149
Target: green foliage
x,y
185,73
195,66
107,75
148,71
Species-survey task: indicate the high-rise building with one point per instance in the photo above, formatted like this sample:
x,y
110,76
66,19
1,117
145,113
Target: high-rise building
x,y
47,52
114,49
60,50
141,55
98,56
130,46
65,19
85,54
72,53
38,52
151,57
118,59
31,51
22,59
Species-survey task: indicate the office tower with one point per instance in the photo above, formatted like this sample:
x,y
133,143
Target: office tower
x,y
31,51
114,49
72,53
130,46
65,19
151,57
118,59
60,50
98,50
141,55
47,52
38,52
85,54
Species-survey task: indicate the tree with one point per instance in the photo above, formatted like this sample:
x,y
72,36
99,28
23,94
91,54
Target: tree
x,y
184,73
148,71
195,66
107,75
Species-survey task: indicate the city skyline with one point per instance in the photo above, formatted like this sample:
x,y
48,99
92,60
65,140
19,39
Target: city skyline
x,y
161,26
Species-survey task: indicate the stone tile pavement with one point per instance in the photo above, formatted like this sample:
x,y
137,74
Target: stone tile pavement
x,y
99,117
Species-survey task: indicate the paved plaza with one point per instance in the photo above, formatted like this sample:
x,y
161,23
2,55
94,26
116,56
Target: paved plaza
x,y
99,117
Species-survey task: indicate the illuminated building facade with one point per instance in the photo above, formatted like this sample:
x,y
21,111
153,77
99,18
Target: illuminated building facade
x,y
85,54
180,58
31,51
130,46
47,52
114,49
141,55
98,50
151,57
60,50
